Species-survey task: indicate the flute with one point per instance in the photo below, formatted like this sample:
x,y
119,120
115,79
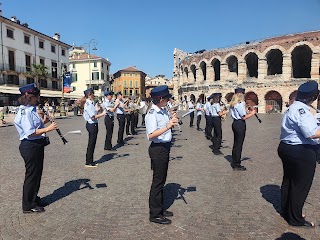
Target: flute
x,y
58,130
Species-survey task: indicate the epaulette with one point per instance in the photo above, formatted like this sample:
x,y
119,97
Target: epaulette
x,y
302,111
23,112
87,103
151,111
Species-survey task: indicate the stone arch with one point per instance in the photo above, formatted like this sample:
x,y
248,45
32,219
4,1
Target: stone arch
x,y
216,65
252,64
232,62
273,102
301,61
203,67
229,96
251,99
268,49
193,70
274,61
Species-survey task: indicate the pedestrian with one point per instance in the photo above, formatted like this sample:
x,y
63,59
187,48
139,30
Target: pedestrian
x,y
110,108
158,128
191,106
298,152
91,115
199,110
217,113
121,118
208,116
54,108
32,132
239,115
2,116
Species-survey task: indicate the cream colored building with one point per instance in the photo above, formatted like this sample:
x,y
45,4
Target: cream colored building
x,y
270,69
88,70
21,47
157,81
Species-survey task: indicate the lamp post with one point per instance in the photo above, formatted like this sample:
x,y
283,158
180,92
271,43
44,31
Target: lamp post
x,y
92,43
62,109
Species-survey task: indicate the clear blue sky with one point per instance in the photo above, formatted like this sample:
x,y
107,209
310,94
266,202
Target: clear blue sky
x,y
145,32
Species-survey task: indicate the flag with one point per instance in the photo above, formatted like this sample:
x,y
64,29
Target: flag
x,y
67,82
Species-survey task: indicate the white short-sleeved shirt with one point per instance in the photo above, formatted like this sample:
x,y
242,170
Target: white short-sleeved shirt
x,y
89,111
238,111
107,105
298,125
119,109
199,112
216,108
158,118
27,121
208,108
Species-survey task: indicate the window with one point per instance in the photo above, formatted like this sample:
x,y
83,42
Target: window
x,y
73,65
102,65
28,63
136,92
130,74
26,39
43,83
94,64
42,61
73,89
107,67
41,44
54,69
136,74
13,79
126,92
30,80
9,33
63,52
136,83
125,83
53,48
74,77
102,75
54,85
130,83
11,60
95,76
130,92
124,74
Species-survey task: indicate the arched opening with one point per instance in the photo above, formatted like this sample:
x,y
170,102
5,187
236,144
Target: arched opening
x,y
186,72
252,65
216,68
229,96
203,67
301,61
193,70
273,102
251,99
274,61
232,62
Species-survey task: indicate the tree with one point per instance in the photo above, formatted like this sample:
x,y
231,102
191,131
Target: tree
x,y
39,71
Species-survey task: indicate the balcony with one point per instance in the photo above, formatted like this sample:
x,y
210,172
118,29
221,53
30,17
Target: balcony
x,y
95,82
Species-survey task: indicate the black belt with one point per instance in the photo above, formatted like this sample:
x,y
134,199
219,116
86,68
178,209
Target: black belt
x,y
39,140
238,120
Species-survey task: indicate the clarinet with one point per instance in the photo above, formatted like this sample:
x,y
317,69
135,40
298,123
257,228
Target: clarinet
x,y
256,115
58,130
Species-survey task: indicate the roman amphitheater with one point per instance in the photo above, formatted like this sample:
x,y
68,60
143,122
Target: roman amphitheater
x,y
270,70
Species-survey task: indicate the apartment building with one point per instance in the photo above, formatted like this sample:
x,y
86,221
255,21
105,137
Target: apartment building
x,y
21,49
157,81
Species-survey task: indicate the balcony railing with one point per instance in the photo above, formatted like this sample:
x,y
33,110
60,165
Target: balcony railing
x,y
95,82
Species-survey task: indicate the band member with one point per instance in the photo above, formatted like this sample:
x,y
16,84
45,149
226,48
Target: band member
x,y
297,150
217,112
191,106
200,110
30,127
129,115
143,110
158,127
208,116
91,115
110,108
239,115
121,118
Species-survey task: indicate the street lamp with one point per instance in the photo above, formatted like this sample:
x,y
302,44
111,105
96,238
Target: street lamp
x,y
92,43
62,109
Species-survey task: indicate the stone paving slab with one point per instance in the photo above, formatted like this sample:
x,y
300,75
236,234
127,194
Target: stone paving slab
x,y
209,200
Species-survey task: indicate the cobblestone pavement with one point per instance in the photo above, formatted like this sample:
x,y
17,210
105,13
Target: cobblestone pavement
x,y
209,200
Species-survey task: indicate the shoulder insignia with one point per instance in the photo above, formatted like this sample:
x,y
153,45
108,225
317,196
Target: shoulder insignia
x,y
87,103
23,112
151,111
301,111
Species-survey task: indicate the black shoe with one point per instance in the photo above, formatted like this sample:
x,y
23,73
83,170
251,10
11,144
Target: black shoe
x,y
199,129
167,214
120,143
110,149
217,152
37,209
92,165
239,168
160,220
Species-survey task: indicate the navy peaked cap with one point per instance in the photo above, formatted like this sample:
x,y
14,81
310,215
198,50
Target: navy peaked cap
x,y
108,93
307,90
239,90
88,91
30,88
118,93
217,94
161,91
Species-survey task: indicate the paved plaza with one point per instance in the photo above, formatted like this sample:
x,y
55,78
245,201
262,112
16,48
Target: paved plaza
x,y
209,200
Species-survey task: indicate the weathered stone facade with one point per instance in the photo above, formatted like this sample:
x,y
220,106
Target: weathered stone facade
x,y
270,70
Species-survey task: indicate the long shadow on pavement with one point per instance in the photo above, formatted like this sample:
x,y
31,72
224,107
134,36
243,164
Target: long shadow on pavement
x,y
272,194
174,191
111,156
67,189
290,236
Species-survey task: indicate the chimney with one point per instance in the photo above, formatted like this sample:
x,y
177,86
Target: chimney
x,y
25,25
14,19
56,36
18,21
